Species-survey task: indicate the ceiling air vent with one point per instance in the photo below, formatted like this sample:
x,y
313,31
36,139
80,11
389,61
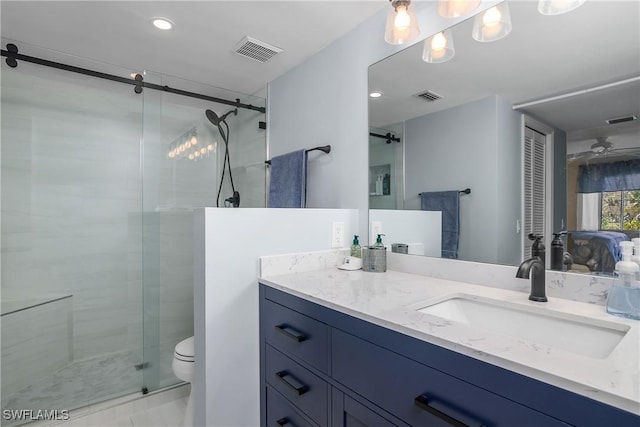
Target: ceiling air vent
x,y
429,96
621,120
255,49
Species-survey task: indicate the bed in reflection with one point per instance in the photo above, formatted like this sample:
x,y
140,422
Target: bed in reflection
x,y
595,251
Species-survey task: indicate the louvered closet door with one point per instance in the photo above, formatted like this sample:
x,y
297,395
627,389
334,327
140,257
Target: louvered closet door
x,y
534,185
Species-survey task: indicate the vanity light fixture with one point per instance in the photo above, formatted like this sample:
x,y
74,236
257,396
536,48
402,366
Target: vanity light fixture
x,y
557,7
375,94
438,48
402,23
162,23
492,24
456,8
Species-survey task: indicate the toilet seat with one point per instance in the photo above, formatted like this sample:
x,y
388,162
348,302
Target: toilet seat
x,y
183,366
185,350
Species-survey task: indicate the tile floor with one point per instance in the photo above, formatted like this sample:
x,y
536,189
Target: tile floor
x,y
164,408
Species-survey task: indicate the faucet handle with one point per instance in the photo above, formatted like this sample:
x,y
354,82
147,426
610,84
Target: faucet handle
x,y
532,236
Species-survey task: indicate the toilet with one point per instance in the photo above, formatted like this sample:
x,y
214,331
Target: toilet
x,y
183,358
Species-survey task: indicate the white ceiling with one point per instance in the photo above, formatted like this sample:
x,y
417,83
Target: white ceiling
x,y
543,56
200,47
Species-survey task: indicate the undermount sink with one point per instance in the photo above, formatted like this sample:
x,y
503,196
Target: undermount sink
x,y
576,334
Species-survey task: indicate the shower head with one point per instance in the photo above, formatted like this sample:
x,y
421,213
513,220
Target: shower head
x,y
213,117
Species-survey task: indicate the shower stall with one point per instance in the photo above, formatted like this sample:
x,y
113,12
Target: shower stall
x,y
98,183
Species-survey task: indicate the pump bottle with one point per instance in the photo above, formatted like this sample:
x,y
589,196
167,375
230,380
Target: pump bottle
x,y
624,295
356,249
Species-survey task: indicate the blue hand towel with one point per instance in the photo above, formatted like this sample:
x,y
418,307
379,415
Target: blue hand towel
x,y
448,202
288,183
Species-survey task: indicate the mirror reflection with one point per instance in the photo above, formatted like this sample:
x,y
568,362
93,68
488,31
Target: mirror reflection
x,y
541,126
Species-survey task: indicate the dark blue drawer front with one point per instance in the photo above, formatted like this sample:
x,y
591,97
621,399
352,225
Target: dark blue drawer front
x,y
357,415
296,334
300,386
394,382
281,414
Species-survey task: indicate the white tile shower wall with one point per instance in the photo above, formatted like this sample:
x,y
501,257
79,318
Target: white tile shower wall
x,y
70,177
577,287
247,152
228,244
171,298
71,202
30,333
176,286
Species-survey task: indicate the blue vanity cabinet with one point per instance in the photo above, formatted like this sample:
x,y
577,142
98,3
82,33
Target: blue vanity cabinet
x,y
355,373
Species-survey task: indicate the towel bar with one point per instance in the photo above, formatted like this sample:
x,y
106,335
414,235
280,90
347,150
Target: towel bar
x,y
465,191
324,149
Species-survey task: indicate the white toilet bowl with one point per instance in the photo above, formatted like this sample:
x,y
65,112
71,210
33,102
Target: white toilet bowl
x,y
183,361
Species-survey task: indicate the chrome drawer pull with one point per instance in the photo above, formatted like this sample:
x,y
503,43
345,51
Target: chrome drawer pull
x,y
423,403
291,333
292,383
285,421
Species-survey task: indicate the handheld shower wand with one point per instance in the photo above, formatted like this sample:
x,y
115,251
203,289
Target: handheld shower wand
x,y
219,122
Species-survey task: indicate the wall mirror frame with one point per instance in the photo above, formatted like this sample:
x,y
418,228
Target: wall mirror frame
x,y
561,76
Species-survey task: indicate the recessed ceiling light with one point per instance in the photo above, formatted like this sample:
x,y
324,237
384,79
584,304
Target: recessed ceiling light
x,y
162,23
375,94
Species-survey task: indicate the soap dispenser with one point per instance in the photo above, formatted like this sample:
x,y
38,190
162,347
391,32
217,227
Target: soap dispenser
x,y
374,258
636,250
557,251
624,295
356,249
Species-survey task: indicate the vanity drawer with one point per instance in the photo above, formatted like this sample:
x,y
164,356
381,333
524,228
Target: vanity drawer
x,y
296,334
281,414
420,395
300,386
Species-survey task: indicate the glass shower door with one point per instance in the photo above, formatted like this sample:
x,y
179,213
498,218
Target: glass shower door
x,y
71,277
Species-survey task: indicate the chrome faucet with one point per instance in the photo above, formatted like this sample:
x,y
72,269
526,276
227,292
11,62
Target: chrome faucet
x,y
534,268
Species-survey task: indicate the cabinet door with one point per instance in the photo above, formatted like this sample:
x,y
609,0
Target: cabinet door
x,y
346,412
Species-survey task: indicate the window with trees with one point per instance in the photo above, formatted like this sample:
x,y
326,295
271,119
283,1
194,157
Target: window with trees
x,y
620,210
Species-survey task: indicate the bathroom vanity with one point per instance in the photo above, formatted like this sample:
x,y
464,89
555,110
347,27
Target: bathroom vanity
x,y
353,348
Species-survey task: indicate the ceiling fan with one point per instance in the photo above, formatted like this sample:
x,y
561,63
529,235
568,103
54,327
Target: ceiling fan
x,y
604,148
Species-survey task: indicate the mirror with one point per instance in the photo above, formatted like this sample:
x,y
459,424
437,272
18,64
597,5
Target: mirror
x,y
461,125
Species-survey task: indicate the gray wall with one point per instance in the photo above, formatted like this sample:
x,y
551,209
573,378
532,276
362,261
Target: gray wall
x,y
509,184
466,147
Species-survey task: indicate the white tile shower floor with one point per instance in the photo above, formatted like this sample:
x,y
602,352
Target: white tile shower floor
x,y
80,383
98,379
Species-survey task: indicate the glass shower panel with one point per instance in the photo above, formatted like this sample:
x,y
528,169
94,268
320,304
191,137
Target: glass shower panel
x,y
386,168
70,202
182,163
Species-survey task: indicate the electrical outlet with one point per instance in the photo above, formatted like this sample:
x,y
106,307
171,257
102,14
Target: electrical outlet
x,y
337,235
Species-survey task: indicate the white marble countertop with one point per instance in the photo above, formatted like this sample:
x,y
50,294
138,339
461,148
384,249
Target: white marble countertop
x,y
390,300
